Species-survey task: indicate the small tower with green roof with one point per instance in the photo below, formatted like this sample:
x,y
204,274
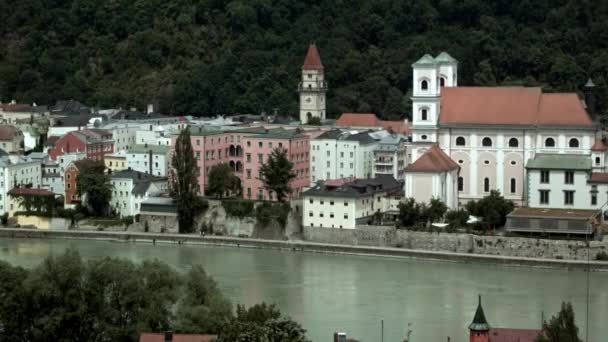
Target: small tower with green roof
x,y
479,329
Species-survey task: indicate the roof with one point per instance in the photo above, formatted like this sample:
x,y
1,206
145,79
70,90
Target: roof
x,y
30,191
156,149
371,120
8,132
599,145
152,337
513,335
553,212
278,133
479,321
355,188
560,162
397,126
134,175
445,57
425,60
331,135
433,160
91,135
511,106
363,138
50,141
313,59
598,177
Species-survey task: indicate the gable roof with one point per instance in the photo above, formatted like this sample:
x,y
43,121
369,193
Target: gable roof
x,y
598,177
433,160
511,106
599,145
371,120
550,161
445,57
425,60
313,59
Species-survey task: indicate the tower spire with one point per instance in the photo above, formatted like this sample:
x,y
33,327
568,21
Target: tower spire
x,y
313,59
479,321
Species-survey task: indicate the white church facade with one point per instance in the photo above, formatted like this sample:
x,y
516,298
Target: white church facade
x,y
491,132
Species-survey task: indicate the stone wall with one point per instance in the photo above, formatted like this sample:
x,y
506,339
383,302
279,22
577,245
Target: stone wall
x,y
458,243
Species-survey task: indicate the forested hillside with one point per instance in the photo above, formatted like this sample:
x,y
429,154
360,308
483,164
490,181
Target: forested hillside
x,y
211,56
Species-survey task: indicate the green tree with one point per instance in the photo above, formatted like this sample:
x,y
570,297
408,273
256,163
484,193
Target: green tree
x,y
261,322
221,180
435,210
560,328
276,173
184,183
409,213
315,121
94,186
493,209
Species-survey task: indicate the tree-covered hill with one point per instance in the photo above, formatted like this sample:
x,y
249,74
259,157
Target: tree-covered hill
x,y
213,56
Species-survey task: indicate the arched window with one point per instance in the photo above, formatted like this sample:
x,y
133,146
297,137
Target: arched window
x,y
460,184
573,142
486,142
442,82
549,142
423,114
424,85
460,141
513,142
486,184
513,185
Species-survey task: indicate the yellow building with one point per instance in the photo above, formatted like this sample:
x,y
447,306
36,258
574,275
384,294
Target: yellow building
x,y
19,199
116,161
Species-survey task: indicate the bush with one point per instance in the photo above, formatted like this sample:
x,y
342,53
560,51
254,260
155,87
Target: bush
x,y
268,211
127,220
238,208
4,219
602,256
457,218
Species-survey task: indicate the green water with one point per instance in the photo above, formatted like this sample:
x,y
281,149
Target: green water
x,y
354,293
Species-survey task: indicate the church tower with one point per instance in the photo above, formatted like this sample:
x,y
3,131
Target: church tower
x,y
479,329
313,87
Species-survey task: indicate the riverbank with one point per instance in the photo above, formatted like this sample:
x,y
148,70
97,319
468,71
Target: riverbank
x,y
304,246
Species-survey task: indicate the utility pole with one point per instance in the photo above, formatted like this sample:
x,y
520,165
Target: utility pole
x,y
382,331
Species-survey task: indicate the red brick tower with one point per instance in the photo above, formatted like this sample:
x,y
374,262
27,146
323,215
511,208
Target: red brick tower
x,y
479,329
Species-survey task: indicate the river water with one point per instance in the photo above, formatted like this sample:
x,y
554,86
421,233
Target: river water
x,y
326,293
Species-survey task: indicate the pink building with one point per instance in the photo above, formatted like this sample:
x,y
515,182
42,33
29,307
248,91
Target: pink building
x,y
245,150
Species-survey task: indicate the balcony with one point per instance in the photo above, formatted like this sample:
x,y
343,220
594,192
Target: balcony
x,y
319,86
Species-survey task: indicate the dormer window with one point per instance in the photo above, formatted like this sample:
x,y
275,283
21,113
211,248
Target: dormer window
x,y
424,85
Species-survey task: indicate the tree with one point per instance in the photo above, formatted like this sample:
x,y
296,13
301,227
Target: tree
x,y
315,121
94,186
435,210
221,181
261,322
409,213
276,173
184,184
492,208
561,328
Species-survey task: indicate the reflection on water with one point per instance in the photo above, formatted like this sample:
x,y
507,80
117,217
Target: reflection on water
x,y
355,293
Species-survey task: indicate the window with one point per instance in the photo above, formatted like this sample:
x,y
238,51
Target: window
x,y
346,204
442,82
544,196
544,176
321,214
460,141
423,137
513,162
597,160
331,215
513,142
569,177
486,142
341,165
424,85
341,154
593,199
549,142
249,157
573,143
331,202
270,144
260,158
249,144
310,214
513,185
423,114
311,201
345,216
352,165
486,184
352,154
248,174
460,184
568,197
328,164
486,162
260,144
321,202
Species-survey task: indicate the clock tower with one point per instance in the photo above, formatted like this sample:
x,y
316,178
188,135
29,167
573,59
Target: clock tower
x,y
312,88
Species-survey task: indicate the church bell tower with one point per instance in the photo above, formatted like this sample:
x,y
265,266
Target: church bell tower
x,y
313,87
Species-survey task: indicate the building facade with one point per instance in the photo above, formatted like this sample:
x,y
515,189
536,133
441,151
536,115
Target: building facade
x,y
95,143
390,157
312,87
130,188
17,171
11,139
151,159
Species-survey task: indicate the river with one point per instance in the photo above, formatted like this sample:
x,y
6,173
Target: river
x,y
355,293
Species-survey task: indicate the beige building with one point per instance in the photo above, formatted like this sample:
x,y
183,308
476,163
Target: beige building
x,y
116,161
11,139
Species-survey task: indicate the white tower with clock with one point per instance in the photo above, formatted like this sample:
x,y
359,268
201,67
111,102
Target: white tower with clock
x,y
313,87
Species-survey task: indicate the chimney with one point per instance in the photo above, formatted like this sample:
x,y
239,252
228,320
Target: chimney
x,y
150,109
168,336
590,97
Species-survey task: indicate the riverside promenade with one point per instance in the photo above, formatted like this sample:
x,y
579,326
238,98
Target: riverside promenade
x,y
303,246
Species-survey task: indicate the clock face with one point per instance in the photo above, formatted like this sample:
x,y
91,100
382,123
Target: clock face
x,y
308,99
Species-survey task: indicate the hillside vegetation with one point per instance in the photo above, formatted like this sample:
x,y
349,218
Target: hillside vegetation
x,y
207,57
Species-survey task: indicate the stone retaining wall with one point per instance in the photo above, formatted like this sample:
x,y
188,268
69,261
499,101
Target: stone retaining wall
x,y
457,243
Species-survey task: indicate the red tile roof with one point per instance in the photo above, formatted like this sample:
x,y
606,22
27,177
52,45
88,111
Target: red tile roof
x,y
30,191
513,335
598,177
8,132
371,120
402,127
511,106
10,107
313,59
599,145
152,337
433,160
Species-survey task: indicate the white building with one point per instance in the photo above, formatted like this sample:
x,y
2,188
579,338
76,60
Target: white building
x,y
123,135
17,171
339,154
492,131
11,139
433,175
313,87
131,188
347,203
150,159
153,136
390,157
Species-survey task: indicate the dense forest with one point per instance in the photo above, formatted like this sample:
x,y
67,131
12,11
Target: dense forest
x,y
208,57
